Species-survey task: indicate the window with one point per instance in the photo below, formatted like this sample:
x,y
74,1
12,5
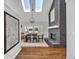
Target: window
x,y
38,5
26,5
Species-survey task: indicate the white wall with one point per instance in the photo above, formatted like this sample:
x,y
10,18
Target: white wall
x,y
70,4
14,51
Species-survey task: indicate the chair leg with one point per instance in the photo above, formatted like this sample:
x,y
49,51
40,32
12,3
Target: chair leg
x,y
42,40
37,40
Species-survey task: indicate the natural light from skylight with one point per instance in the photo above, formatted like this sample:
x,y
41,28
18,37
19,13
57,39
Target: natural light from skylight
x,y
38,5
26,5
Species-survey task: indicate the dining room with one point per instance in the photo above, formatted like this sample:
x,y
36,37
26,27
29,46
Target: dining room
x,y
33,36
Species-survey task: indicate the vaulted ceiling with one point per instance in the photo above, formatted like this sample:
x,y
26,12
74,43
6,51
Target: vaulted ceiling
x,y
16,5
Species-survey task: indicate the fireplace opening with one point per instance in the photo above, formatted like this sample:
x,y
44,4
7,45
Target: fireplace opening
x,y
53,36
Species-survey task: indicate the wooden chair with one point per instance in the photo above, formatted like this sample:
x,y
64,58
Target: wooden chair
x,y
34,37
40,37
28,37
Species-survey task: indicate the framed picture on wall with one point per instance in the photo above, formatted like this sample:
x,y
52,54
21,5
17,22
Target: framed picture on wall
x,y
52,15
30,29
36,29
11,31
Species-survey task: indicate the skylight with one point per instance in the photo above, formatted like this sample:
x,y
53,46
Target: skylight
x,y
26,5
38,5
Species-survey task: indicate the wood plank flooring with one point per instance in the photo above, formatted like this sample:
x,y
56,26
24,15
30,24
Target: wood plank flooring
x,y
42,53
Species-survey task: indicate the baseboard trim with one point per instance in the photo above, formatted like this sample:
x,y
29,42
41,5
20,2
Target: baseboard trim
x,y
17,53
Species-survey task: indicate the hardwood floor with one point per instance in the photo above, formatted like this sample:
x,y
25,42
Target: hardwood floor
x,y
42,53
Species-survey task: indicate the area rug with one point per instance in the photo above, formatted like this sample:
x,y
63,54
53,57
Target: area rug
x,y
37,44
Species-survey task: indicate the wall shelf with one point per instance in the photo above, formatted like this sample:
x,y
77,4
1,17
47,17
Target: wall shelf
x,y
51,27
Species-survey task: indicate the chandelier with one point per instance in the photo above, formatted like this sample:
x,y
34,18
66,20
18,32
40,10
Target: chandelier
x,y
32,20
